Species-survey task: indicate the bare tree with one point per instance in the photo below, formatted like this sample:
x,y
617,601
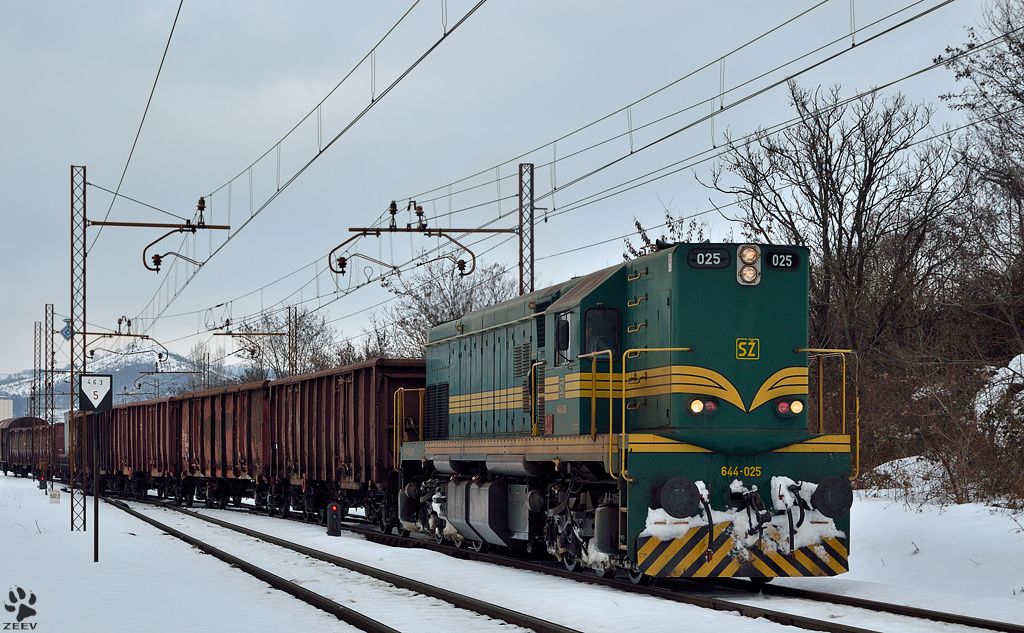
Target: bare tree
x,y
435,293
990,69
855,182
208,371
283,345
680,229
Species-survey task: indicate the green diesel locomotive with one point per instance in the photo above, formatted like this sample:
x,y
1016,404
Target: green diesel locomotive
x,y
650,417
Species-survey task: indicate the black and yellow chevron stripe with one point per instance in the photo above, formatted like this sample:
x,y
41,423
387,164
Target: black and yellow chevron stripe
x,y
690,557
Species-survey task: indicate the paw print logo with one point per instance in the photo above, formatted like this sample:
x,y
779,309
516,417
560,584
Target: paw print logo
x,y
18,603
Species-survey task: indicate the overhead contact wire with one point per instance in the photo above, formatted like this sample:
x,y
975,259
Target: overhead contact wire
x,y
146,111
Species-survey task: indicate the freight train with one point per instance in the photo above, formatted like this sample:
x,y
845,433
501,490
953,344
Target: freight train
x,y
651,417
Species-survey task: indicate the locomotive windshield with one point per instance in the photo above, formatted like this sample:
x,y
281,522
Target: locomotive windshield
x,y
603,330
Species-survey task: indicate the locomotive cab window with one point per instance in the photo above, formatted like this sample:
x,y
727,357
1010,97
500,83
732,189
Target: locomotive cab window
x,y
564,352
603,330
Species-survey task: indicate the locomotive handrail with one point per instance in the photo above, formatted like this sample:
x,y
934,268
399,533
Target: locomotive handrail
x,y
631,353
593,391
398,415
841,353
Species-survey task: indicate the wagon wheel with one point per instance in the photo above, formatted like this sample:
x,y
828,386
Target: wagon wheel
x,y
608,573
384,525
190,497
179,496
236,501
222,499
571,562
321,514
439,536
308,513
637,577
141,491
478,546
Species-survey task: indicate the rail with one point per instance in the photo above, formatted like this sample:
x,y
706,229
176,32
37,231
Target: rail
x,y
455,598
398,411
820,356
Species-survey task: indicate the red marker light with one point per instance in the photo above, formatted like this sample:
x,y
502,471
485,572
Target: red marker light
x,y
710,406
783,407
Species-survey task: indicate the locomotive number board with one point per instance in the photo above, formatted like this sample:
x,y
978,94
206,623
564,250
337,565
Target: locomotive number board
x,y
709,258
781,260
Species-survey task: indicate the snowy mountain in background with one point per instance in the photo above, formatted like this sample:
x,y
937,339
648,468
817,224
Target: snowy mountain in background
x,y
126,367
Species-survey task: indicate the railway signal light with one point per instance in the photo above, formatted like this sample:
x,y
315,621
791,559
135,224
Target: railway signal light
x,y
42,482
333,520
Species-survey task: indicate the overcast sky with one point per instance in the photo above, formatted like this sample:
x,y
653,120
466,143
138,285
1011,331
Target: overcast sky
x,y
75,78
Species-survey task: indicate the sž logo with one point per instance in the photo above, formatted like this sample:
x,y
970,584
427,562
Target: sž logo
x,y
16,601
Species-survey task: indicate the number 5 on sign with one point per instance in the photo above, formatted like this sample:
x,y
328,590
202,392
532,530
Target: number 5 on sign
x,y
95,392
748,348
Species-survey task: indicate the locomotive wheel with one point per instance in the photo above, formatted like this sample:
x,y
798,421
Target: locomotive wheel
x,y
637,577
572,563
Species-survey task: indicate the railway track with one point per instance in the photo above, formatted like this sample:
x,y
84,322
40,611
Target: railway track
x,y
900,618
471,607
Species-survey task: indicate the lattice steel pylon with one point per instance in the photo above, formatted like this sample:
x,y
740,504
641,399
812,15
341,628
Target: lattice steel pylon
x,y
525,228
37,363
48,378
293,340
78,253
36,400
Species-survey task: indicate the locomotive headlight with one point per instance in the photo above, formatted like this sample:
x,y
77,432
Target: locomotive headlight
x,y
748,274
696,406
748,254
796,406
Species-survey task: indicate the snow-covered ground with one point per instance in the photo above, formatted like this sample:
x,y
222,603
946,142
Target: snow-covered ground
x,y
966,558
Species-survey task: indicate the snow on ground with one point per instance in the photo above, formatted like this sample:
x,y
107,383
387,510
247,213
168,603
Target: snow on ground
x,y
968,559
145,581
965,559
